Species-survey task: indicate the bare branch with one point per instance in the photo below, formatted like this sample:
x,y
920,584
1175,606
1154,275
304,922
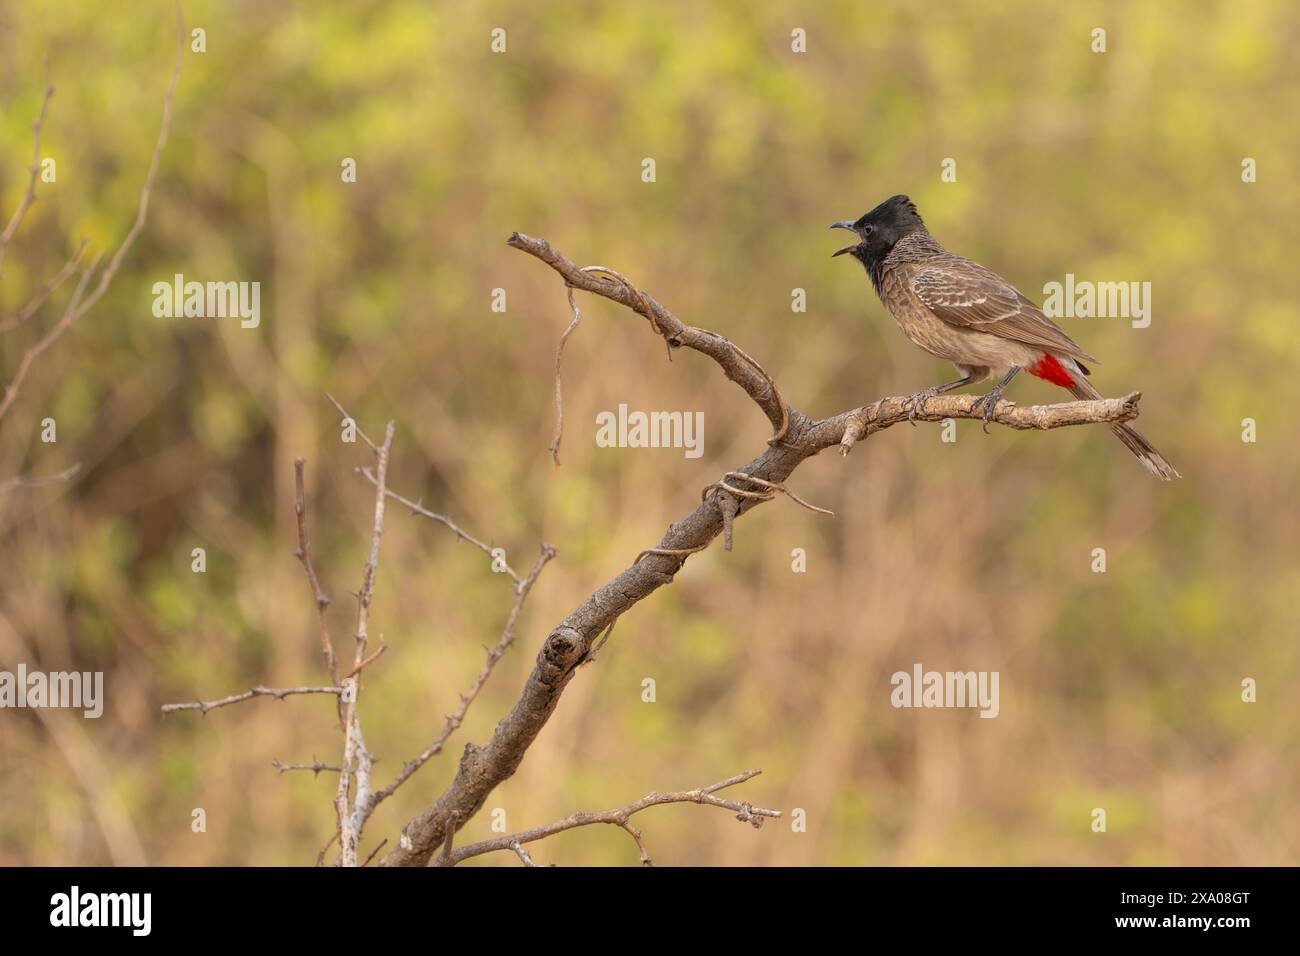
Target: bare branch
x,y
354,749
849,427
635,834
320,856
315,766
375,852
559,396
46,340
29,197
522,854
78,308
342,411
358,668
32,307
419,509
737,366
570,643
619,817
279,693
304,555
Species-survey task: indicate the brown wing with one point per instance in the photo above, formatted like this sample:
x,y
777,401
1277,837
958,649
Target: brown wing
x,y
965,294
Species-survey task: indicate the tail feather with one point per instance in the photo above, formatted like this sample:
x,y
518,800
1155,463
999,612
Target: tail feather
x,y
1133,439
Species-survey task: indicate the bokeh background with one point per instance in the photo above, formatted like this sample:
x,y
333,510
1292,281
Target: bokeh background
x,y
1119,690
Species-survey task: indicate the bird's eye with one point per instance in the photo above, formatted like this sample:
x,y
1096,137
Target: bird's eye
x,y
868,229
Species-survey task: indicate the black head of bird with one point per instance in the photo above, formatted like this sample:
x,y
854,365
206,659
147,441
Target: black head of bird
x,y
880,229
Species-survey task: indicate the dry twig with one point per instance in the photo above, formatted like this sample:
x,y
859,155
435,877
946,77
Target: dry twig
x,y
746,812
77,307
279,693
354,749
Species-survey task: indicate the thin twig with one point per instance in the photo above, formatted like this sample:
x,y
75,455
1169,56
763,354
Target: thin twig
x,y
320,857
315,766
640,843
419,509
342,411
598,645
375,852
32,307
619,817
354,750
559,396
358,668
279,693
77,308
29,197
304,555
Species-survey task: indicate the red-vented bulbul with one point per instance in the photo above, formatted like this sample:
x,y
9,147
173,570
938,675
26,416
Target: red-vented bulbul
x,y
958,310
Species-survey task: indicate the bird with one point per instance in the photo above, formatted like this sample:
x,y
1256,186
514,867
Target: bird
x,y
958,310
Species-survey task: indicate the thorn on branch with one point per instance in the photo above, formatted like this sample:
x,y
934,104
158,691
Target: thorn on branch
x,y
315,767
728,506
279,693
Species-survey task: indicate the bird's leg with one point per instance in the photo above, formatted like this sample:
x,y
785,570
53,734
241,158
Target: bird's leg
x,y
990,399
917,399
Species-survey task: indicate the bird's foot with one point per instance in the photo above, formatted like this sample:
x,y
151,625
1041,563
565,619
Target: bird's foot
x,y
989,401
914,402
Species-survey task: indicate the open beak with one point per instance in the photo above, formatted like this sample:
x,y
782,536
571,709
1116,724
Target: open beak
x,y
844,224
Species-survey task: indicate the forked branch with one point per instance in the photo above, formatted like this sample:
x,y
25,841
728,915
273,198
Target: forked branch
x,y
797,437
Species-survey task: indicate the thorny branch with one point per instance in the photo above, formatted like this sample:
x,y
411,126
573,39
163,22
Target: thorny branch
x,y
352,815
745,812
315,766
279,693
797,437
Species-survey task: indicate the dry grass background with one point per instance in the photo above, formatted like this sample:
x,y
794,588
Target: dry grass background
x,y
1118,690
